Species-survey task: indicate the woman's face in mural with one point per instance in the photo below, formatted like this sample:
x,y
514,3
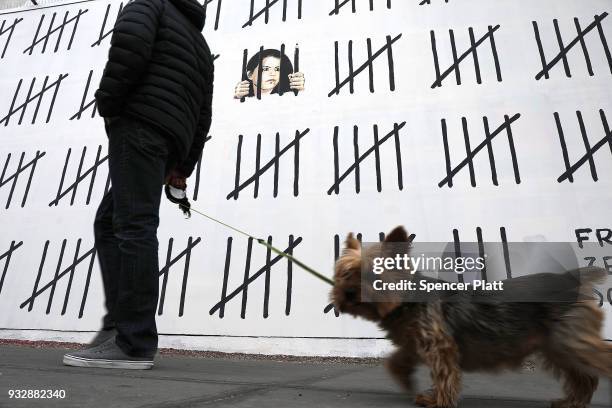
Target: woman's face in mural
x,y
270,74
274,73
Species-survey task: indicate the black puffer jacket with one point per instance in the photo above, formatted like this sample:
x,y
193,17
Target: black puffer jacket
x,y
160,70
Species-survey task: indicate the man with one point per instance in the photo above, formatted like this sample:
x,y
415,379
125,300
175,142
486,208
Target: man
x,y
155,96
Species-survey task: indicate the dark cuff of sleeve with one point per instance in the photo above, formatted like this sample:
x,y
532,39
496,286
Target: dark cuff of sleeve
x,y
185,169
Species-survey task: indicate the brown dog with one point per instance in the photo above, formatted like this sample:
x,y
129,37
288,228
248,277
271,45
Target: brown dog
x,y
451,337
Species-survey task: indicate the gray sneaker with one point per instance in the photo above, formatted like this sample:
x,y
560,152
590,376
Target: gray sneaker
x,y
107,355
101,337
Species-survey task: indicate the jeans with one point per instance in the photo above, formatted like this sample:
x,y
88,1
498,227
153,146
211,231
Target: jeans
x,y
125,230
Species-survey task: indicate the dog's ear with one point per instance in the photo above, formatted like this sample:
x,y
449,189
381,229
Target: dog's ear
x,y
352,243
399,234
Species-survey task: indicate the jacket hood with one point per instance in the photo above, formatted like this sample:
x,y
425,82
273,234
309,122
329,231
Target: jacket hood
x,y
192,10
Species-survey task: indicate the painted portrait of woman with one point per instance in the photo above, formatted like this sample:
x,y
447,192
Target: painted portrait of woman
x,y
274,76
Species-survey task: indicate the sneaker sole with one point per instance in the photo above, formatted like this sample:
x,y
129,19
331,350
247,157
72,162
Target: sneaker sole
x,y
99,363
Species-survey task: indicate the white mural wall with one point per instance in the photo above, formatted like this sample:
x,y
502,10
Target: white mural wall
x,y
459,119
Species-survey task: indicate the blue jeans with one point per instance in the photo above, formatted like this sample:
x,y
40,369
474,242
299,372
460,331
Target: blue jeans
x,y
125,230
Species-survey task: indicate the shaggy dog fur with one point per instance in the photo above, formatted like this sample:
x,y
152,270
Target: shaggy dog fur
x,y
451,337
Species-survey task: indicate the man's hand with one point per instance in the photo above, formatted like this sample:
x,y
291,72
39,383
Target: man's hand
x,y
176,179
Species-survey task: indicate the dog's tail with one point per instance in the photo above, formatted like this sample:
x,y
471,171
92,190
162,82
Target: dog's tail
x,y
593,274
586,278
589,275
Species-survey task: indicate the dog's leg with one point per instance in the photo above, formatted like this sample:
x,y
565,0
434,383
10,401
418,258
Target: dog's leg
x,y
401,365
578,387
578,355
440,352
578,384
446,377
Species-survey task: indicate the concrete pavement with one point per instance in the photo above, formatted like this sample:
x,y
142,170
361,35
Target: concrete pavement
x,y
194,381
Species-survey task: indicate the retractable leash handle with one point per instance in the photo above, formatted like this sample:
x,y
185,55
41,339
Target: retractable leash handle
x,y
179,197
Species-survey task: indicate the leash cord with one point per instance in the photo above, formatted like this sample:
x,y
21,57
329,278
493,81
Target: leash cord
x,y
270,247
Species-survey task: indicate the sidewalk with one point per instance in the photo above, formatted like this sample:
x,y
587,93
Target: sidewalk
x,y
188,381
